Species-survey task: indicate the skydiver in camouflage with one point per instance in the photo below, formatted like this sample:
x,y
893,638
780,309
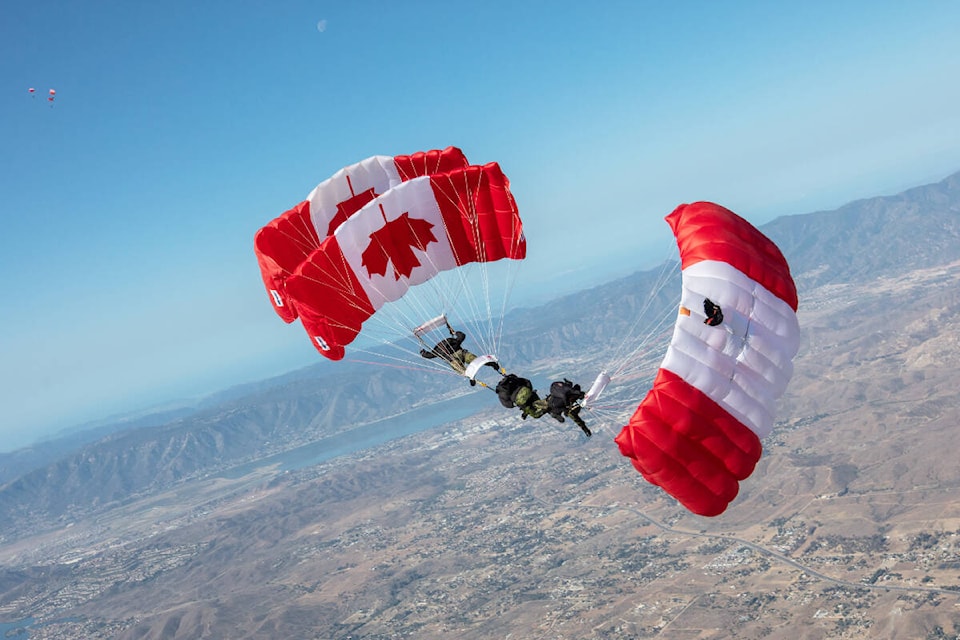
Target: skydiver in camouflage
x,y
451,350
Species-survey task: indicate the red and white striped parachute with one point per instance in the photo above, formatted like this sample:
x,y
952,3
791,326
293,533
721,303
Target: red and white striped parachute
x,y
283,244
697,433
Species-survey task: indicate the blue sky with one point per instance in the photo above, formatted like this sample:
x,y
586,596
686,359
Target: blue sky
x,y
179,128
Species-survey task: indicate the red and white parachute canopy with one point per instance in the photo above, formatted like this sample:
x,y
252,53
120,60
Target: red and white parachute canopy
x,y
394,254
697,433
284,243
398,241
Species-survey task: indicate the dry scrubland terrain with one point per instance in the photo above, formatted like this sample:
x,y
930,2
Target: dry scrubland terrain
x,y
497,528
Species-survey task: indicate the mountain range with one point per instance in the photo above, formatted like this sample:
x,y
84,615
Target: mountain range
x,y
44,486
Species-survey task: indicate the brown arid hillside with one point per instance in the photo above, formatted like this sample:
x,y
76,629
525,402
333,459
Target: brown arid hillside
x,y
497,528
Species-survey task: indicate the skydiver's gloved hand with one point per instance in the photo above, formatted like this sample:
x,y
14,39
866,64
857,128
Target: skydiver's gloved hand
x,y
424,353
473,382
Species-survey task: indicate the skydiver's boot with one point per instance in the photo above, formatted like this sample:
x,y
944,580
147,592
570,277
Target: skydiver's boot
x,y
575,415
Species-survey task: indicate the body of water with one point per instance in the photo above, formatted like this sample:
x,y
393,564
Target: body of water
x,y
18,629
373,434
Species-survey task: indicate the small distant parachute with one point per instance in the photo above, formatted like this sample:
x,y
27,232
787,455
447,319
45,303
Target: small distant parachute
x,y
697,432
51,94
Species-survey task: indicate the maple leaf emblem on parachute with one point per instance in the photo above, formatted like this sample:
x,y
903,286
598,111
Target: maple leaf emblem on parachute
x,y
394,243
349,207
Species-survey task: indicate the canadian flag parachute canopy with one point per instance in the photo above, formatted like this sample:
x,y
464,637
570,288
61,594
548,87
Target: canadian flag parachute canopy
x,y
392,245
697,432
401,239
283,244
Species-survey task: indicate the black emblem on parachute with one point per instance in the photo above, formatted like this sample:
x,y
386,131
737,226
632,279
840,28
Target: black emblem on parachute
x,y
713,311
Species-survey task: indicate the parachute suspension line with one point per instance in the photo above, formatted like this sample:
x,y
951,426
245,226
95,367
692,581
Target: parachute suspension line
x,y
302,239
494,324
475,311
392,331
610,417
512,268
497,319
404,361
663,277
474,314
470,310
637,340
635,357
644,354
339,277
305,234
378,361
485,316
